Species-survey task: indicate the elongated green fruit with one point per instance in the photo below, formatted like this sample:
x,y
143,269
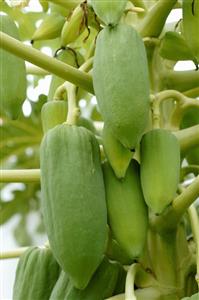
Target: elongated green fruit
x,y
36,275
70,57
118,156
121,82
174,47
50,27
70,206
160,168
87,123
127,211
12,74
60,289
101,285
191,118
73,27
190,13
109,11
53,113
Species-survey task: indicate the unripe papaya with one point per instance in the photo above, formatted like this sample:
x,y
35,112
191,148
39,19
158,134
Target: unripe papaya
x,y
12,75
109,11
127,210
115,252
190,13
60,289
36,275
53,113
50,28
70,206
118,156
191,118
74,26
121,82
174,47
101,285
160,168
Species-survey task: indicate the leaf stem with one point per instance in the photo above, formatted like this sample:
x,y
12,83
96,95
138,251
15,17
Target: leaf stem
x,y
188,137
46,62
194,220
13,253
20,175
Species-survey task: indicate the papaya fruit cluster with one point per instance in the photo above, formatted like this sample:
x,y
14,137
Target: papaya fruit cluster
x,y
96,205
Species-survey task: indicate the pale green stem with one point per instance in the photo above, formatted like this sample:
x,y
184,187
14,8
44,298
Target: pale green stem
x,y
155,112
181,80
154,21
193,93
34,70
20,175
130,279
139,3
194,220
73,109
188,137
13,253
46,62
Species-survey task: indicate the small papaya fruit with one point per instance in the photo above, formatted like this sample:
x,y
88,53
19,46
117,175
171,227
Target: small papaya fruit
x,y
70,206
121,83
118,156
160,168
36,275
127,210
174,47
53,113
13,74
109,11
50,28
101,285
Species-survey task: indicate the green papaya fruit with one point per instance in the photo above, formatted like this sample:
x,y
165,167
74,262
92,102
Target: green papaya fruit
x,y
109,11
36,275
174,47
160,168
121,83
121,282
190,14
69,57
53,113
118,156
50,28
60,289
70,206
191,118
102,284
127,211
12,74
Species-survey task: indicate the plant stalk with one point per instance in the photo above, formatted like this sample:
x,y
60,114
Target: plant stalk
x,y
20,175
46,62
